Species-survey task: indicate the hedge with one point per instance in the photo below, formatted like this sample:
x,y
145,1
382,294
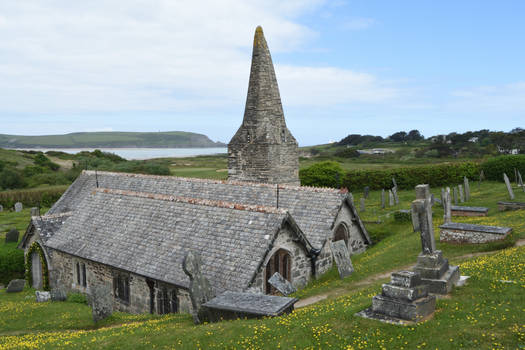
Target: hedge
x,y
46,197
494,168
11,263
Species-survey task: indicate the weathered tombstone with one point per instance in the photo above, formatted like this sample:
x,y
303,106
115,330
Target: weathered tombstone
x,y
383,199
58,294
519,179
1,208
467,188
461,194
509,187
422,192
282,284
101,301
447,206
42,296
432,199
18,207
342,258
455,196
12,235
433,268
390,198
366,192
35,211
396,198
200,288
481,176
16,286
394,182
362,205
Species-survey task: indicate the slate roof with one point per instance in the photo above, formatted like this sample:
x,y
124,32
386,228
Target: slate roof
x,y
46,226
314,209
149,234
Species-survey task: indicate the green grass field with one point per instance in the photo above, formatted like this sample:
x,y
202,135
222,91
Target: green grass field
x,y
487,313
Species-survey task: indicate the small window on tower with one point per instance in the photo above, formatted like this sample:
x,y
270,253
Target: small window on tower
x,y
249,137
283,136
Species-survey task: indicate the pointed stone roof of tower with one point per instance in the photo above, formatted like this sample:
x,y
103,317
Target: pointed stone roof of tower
x,y
263,113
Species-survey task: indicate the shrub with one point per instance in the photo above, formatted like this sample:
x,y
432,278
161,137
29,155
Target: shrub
x,y
347,153
10,178
76,298
402,216
324,174
494,168
11,263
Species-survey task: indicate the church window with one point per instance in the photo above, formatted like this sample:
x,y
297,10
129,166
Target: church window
x,y
84,282
249,137
281,262
78,273
121,287
341,233
283,136
167,301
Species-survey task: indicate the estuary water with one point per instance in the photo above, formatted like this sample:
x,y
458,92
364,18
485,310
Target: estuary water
x,y
142,153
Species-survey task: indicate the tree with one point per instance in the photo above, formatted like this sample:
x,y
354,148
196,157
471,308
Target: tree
x,y
399,136
414,135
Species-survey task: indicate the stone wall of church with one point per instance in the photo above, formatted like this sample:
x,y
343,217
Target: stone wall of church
x,y
356,241
301,264
65,275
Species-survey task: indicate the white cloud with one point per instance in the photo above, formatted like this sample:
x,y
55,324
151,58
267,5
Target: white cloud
x,y
495,99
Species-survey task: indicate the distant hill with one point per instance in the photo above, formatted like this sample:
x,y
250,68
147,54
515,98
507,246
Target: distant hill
x,y
169,139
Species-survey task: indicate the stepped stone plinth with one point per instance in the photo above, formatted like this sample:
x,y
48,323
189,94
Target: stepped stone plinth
x,y
405,299
436,272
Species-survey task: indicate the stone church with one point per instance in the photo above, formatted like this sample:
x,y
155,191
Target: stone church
x,y
131,231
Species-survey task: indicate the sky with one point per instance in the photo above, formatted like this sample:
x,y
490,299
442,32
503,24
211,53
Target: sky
x,y
343,67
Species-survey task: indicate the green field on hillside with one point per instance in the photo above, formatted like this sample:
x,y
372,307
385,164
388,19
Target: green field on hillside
x,y
487,313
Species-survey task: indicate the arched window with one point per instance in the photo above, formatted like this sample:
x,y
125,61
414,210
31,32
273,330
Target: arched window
x,y
341,233
283,135
281,262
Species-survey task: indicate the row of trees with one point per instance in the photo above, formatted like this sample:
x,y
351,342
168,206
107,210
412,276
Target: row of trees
x,y
400,136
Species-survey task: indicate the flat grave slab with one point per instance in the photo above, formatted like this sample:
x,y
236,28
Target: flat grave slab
x,y
471,233
233,305
459,210
502,206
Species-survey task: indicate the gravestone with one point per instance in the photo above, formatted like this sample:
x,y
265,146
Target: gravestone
x,y
18,207
520,180
362,205
467,188
35,211
442,197
200,288
394,182
509,187
101,301
1,208
342,258
390,198
432,199
12,235
461,194
481,176
366,192
396,198
58,294
422,192
405,298
282,284
383,199
447,206
456,196
431,266
16,286
42,296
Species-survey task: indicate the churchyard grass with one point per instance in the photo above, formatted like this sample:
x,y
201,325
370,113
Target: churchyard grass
x,y
486,313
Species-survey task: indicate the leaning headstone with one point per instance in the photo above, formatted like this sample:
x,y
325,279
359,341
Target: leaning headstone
x,y
394,182
396,198
12,235
366,192
509,187
101,301
18,207
431,266
383,199
42,296
405,298
16,286
200,288
467,188
342,258
35,211
447,206
390,198
461,194
282,284
455,196
362,205
519,179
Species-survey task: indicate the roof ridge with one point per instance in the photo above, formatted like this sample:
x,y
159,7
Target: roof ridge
x,y
224,182
53,216
197,201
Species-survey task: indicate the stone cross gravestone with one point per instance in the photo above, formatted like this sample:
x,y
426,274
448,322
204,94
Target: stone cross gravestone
x,y
461,194
447,206
423,208
467,188
101,301
282,284
342,258
12,235
455,196
390,198
362,205
16,286
200,288
18,207
509,187
366,192
422,192
383,199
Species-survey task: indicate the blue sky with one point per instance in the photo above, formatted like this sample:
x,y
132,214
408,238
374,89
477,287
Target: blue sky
x,y
369,67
